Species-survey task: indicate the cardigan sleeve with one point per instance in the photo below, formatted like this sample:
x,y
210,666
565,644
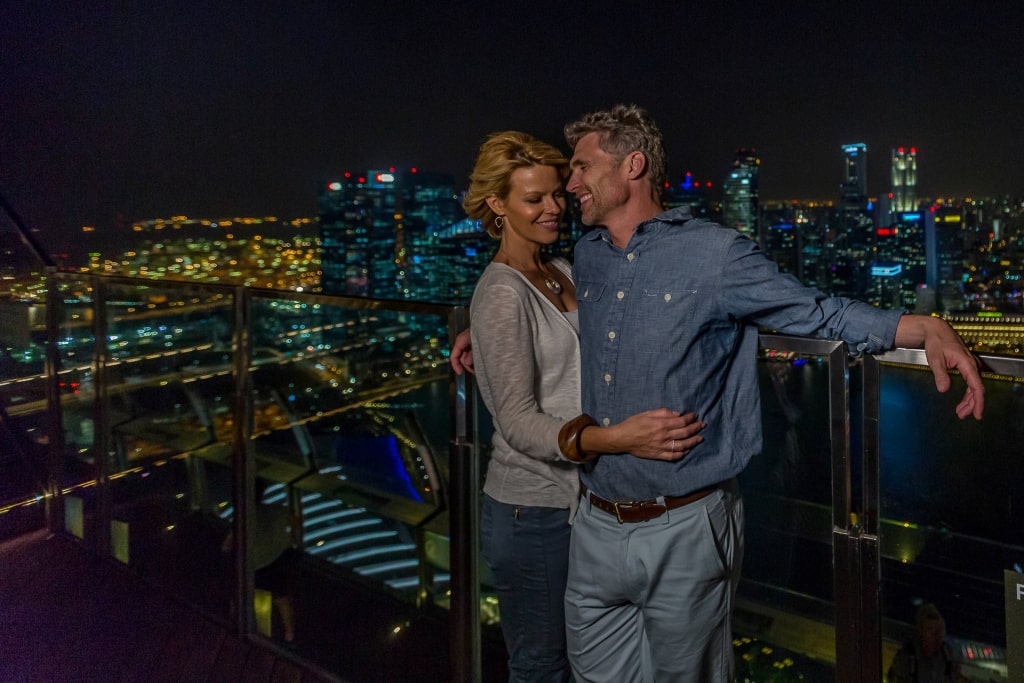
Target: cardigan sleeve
x,y
505,354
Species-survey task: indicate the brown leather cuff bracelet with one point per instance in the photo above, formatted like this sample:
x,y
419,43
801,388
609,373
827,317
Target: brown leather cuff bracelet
x,y
569,438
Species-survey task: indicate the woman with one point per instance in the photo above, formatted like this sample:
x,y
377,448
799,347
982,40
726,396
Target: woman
x,y
526,360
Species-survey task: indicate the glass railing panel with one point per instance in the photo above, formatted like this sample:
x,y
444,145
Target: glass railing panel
x,y
24,437
168,413
490,611
352,416
950,516
784,621
75,350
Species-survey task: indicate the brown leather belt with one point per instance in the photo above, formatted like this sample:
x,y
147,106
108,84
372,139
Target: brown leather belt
x,y
643,510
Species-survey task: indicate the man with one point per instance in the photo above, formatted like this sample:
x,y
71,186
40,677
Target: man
x,y
927,657
669,309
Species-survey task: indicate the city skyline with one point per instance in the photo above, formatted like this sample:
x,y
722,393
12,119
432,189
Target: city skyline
x,y
112,116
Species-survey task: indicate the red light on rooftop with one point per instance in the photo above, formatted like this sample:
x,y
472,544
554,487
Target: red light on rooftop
x,y
348,174
913,150
708,184
362,179
413,169
391,169
900,150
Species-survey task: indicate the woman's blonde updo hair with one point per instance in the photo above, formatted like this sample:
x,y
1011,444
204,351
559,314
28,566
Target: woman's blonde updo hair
x,y
500,155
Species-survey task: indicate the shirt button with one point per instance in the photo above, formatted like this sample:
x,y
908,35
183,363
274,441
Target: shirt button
x,y
611,335
668,297
630,256
620,294
608,378
606,422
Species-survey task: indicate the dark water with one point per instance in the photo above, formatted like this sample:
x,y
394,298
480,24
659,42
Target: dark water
x,y
963,476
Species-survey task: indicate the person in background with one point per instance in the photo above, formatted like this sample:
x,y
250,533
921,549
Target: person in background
x,y
527,366
927,658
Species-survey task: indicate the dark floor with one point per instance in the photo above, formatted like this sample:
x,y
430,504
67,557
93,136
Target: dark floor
x,y
68,615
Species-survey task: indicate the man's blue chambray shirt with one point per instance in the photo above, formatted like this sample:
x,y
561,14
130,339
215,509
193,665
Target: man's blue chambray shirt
x,y
671,321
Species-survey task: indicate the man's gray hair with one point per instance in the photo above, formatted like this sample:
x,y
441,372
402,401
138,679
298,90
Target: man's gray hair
x,y
621,130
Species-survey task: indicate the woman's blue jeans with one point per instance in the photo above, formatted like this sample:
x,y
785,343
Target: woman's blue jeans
x,y
527,549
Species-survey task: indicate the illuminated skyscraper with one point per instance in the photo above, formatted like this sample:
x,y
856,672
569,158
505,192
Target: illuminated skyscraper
x,y
898,266
944,245
380,233
904,179
849,246
854,189
739,194
782,238
690,193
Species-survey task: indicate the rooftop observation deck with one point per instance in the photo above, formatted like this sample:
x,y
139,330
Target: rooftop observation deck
x,y
132,452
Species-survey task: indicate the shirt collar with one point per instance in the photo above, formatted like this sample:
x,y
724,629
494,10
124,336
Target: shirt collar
x,y
676,216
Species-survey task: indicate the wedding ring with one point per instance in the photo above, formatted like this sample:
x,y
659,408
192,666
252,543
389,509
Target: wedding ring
x,y
673,445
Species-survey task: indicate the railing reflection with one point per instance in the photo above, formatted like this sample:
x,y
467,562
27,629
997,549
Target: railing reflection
x,y
947,520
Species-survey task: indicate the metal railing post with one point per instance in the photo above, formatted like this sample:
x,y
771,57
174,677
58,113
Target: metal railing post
x,y
241,461
464,498
100,416
870,551
55,414
845,532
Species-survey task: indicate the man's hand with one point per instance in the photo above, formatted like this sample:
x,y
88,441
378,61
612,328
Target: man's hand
x,y
945,351
462,353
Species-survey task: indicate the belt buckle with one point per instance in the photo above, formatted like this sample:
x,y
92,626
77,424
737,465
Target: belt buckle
x,y
618,512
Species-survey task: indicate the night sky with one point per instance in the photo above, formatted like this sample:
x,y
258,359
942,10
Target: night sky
x,y
215,109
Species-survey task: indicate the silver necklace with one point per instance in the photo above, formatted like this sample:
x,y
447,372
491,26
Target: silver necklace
x,y
549,281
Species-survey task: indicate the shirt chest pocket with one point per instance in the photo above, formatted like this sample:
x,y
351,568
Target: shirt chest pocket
x,y
665,313
590,292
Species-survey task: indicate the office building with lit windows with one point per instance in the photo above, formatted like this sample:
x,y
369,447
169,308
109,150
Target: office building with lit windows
x,y
904,179
688,192
854,188
850,242
740,194
898,263
380,233
944,244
